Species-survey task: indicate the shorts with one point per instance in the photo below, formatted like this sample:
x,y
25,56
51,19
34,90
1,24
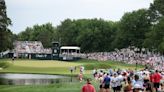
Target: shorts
x,y
101,86
119,88
149,89
114,88
106,86
156,85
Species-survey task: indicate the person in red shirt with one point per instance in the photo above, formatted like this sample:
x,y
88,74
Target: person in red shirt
x,y
88,87
157,77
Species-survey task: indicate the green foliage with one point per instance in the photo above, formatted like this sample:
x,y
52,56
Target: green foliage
x,y
67,32
132,29
155,38
89,34
45,33
156,10
5,33
6,41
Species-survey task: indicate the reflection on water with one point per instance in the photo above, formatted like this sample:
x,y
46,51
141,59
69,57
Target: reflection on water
x,y
33,79
30,76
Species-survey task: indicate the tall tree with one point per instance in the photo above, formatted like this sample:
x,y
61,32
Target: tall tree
x,y
67,32
155,38
90,34
25,35
132,29
156,11
5,41
45,33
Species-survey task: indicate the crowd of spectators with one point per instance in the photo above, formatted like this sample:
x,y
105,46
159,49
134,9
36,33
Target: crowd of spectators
x,y
131,55
30,47
122,80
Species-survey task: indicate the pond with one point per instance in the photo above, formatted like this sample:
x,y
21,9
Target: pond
x,y
33,79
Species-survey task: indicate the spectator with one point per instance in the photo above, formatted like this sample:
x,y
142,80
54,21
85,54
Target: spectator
x,y
120,80
137,84
114,82
80,77
128,87
157,78
106,83
88,87
101,79
71,69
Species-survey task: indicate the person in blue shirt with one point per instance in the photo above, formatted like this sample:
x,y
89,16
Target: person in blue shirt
x,y
107,83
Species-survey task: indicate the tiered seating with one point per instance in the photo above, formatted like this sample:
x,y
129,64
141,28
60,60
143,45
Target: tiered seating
x,y
30,47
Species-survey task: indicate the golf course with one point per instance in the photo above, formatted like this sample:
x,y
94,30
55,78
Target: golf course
x,y
54,67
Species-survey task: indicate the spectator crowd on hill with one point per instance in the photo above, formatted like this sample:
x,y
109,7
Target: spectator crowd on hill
x,y
131,55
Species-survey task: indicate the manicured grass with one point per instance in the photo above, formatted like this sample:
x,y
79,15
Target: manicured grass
x,y
39,66
60,87
56,67
91,64
43,63
60,67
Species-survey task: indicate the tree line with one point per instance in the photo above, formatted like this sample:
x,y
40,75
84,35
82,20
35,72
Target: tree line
x,y
140,28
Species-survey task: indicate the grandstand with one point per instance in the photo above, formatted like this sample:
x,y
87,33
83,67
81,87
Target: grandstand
x,y
26,48
35,50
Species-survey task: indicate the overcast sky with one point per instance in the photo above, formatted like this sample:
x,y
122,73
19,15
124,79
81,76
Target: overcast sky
x,y
26,13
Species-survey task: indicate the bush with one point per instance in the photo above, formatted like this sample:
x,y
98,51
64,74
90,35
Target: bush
x,y
4,64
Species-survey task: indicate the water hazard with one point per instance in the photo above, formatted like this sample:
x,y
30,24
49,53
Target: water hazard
x,y
33,79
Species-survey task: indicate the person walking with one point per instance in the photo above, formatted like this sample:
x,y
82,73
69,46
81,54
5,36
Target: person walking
x,y
101,80
80,77
13,59
88,87
114,82
128,87
137,84
106,82
157,77
71,69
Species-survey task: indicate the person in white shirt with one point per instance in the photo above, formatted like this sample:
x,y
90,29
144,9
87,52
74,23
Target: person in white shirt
x,y
137,84
114,82
120,79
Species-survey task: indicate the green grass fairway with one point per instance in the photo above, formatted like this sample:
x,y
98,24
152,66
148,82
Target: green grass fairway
x,y
55,67
39,66
59,67
43,63
61,87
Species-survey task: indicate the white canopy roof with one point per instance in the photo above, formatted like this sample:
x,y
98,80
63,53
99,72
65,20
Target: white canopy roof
x,y
70,47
